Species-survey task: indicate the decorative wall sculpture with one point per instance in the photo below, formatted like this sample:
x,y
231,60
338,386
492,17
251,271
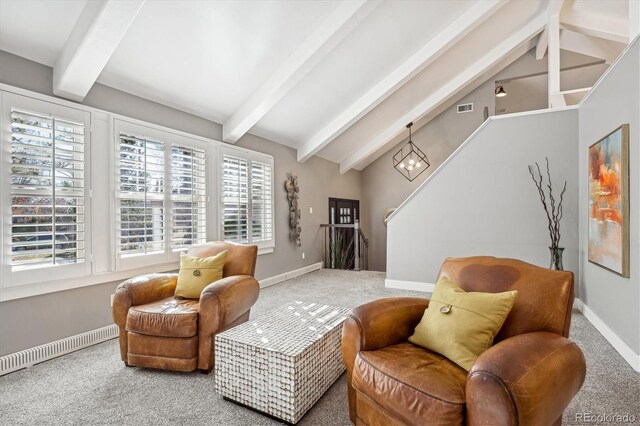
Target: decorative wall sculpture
x,y
291,185
609,202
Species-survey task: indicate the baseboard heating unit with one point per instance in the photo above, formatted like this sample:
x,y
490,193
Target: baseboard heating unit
x,y
38,354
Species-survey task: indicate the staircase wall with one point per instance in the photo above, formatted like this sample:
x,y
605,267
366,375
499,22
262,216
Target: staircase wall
x,y
482,200
383,187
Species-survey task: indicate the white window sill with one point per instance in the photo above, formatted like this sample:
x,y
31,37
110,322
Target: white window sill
x,y
265,250
28,290
52,286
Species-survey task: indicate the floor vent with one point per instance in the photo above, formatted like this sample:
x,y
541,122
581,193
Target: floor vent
x,y
30,357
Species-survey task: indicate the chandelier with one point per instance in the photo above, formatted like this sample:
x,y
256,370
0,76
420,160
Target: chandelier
x,y
410,161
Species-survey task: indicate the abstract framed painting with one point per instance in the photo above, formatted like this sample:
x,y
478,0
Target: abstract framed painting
x,y
609,202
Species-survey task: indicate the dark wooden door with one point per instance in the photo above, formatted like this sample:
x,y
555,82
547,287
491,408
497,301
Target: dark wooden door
x,y
343,212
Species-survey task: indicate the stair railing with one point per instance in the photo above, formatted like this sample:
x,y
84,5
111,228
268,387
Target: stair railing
x,y
343,249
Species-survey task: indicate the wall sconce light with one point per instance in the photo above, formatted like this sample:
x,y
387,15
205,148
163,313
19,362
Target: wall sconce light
x,y
500,93
410,161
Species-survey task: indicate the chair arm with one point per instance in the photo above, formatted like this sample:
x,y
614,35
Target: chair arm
x,y
225,300
527,379
139,291
376,325
382,323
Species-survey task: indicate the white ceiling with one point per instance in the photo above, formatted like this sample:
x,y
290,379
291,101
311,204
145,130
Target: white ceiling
x,y
391,33
329,78
209,56
37,30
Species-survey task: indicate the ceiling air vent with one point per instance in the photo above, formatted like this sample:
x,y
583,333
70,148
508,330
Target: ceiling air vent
x,y
465,108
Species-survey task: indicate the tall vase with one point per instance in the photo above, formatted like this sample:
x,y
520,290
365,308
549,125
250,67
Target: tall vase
x,y
556,258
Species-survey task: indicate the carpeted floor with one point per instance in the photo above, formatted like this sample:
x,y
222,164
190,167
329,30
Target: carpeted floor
x,y
92,386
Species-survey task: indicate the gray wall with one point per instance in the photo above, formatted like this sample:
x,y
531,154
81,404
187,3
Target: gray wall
x,y
20,72
32,321
615,101
530,93
383,187
318,179
483,201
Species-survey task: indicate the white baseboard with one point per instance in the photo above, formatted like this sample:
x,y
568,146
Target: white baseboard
x,y
578,304
618,344
38,354
288,275
409,285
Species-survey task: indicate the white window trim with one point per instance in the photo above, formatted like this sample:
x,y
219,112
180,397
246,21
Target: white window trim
x,y
53,286
267,250
170,139
12,278
264,247
107,136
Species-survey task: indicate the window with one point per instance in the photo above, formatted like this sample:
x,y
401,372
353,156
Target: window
x,y
89,197
235,198
142,203
162,195
247,197
47,186
188,197
261,201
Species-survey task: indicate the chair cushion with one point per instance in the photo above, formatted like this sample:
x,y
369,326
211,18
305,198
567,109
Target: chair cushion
x,y
412,383
170,317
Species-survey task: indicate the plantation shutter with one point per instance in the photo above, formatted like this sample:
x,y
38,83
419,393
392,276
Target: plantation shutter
x,y
188,197
142,203
261,202
235,198
47,190
247,197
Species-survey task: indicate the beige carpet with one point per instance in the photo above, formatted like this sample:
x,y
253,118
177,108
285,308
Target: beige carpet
x,y
92,386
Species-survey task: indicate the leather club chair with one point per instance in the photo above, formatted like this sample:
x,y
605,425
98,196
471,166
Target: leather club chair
x,y
528,376
158,330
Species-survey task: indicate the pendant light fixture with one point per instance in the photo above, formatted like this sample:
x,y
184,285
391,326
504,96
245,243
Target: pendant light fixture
x,y
410,161
500,93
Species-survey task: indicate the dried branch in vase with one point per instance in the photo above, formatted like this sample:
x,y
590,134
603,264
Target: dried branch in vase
x,y
553,210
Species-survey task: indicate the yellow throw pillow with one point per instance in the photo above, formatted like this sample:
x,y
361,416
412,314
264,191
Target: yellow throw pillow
x,y
461,325
198,272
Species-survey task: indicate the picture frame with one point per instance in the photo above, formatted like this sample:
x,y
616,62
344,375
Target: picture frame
x,y
608,202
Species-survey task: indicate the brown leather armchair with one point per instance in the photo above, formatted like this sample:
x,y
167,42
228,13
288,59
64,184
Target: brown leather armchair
x,y
528,377
160,331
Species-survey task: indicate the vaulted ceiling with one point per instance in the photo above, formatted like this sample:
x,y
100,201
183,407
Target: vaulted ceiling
x,y
337,79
